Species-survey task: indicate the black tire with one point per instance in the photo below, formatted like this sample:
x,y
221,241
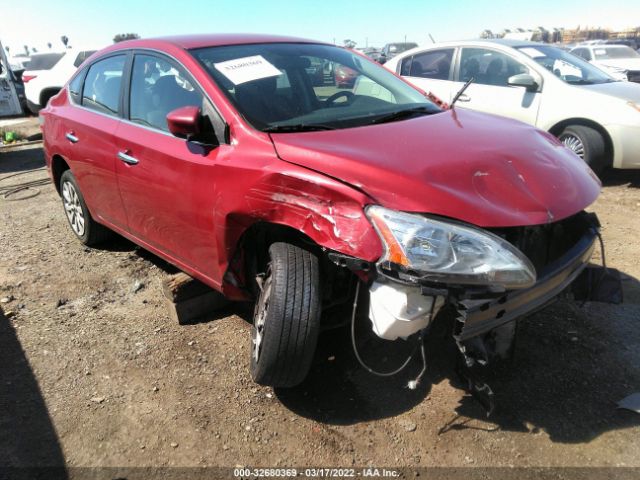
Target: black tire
x,y
287,317
93,233
593,146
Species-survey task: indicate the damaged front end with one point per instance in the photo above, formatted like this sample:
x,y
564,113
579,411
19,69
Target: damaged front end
x,y
489,277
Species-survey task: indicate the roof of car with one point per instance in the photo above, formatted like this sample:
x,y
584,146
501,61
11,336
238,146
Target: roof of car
x,y
217,39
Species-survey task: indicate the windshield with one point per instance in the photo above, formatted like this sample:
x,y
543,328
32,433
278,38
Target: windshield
x,y
605,53
291,87
43,61
566,66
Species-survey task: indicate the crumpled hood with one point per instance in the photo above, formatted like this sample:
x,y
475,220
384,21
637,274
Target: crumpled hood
x,y
482,169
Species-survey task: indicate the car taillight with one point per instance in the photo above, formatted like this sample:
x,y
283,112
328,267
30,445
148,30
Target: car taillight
x,y
26,78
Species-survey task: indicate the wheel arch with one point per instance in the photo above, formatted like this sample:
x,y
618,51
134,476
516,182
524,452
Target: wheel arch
x,y
58,166
46,94
557,129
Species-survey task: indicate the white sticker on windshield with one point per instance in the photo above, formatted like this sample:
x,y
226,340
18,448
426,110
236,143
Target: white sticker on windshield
x,y
532,52
600,51
246,69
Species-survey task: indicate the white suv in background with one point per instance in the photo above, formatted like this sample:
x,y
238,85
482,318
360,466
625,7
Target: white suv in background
x,y
589,111
46,73
619,61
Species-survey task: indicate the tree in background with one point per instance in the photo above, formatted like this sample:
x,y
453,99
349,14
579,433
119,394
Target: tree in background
x,y
121,37
350,43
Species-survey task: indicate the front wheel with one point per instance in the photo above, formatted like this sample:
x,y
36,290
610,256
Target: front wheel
x,y
287,317
588,144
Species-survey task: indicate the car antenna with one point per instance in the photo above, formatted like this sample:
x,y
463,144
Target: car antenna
x,y
432,40
461,91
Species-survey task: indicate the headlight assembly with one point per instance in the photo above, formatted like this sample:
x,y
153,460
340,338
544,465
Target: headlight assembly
x,y
448,252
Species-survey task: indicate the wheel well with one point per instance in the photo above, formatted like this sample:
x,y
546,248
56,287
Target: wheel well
x,y
46,94
557,129
252,255
58,167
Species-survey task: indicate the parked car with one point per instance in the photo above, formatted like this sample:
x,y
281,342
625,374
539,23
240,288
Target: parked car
x,y
345,77
591,113
216,153
390,50
619,61
46,73
371,52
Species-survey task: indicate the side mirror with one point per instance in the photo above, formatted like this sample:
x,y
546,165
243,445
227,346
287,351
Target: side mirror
x,y
184,122
523,80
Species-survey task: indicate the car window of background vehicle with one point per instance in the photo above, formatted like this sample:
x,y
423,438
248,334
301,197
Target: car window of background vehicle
x,y
488,67
435,64
157,88
43,61
566,66
605,53
82,56
102,85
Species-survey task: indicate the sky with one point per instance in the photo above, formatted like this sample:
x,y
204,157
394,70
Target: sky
x,y
92,23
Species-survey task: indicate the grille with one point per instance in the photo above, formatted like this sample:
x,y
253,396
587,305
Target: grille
x,y
543,244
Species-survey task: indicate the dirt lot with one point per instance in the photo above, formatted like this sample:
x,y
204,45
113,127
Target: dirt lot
x,y
93,372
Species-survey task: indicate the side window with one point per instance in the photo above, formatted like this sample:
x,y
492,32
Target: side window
x,y
584,53
405,66
488,67
434,64
75,86
102,85
157,88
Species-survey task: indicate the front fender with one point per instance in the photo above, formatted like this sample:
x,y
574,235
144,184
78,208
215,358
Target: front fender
x,y
328,212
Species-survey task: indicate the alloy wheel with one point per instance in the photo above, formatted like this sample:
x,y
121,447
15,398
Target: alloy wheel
x,y
73,209
262,307
574,144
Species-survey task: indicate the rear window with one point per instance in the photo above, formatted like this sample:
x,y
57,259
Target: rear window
x,y
605,53
82,56
43,61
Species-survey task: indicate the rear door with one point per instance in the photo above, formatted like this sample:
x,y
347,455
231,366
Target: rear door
x,y
490,91
89,123
167,183
431,71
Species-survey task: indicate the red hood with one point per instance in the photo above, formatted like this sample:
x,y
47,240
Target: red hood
x,y
482,169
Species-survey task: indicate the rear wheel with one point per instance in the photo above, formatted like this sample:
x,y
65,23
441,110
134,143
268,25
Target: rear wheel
x,y
588,144
83,225
287,317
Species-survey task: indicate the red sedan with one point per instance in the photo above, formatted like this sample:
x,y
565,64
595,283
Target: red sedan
x,y
215,153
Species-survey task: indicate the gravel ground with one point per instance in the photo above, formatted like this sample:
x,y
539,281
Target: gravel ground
x,y
94,373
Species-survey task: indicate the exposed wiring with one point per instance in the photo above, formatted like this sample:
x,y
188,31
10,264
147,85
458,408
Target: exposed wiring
x,y
10,190
413,383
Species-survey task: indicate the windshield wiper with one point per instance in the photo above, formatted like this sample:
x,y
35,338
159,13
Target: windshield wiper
x,y
461,91
299,127
406,113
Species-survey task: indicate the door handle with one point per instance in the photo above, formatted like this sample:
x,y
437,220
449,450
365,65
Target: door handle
x,y
127,158
464,98
71,137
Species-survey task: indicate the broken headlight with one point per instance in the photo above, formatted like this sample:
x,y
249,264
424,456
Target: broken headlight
x,y
450,252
